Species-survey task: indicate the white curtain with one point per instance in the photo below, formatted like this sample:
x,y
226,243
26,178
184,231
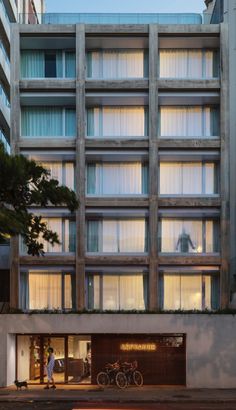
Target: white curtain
x,y
45,291
132,235
109,236
186,63
123,122
117,64
55,169
123,292
208,303
172,231
184,122
184,178
70,175
67,292
209,236
55,225
183,292
209,178
118,178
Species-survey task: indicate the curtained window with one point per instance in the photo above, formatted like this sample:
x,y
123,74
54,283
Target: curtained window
x,y
113,122
189,236
48,122
110,64
180,63
47,290
127,178
62,171
188,178
65,228
188,122
188,291
117,236
117,292
47,64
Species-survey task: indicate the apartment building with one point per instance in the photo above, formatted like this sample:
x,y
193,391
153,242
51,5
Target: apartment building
x,y
9,13
132,112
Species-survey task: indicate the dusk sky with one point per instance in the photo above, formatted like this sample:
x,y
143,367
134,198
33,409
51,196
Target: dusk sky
x,y
125,6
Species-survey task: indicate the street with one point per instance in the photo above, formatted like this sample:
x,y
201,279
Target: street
x,y
31,405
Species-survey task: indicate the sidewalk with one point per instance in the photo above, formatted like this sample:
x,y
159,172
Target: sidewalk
x,y
144,394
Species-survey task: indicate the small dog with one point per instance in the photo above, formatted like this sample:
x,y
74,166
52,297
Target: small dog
x,y
21,384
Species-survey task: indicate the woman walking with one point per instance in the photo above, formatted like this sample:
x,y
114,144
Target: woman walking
x,y
50,367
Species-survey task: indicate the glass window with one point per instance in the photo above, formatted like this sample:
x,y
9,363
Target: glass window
x,y
113,122
47,64
189,236
115,236
47,290
117,292
188,178
188,291
114,178
188,122
177,63
62,171
48,122
65,228
117,64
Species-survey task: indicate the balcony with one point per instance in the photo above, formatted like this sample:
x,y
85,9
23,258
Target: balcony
x,y
117,18
4,21
4,68
11,9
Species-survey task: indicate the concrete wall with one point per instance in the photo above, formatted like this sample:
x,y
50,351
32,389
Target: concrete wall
x,y
210,350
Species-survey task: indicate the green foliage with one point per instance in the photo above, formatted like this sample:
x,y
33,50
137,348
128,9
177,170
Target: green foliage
x,y
23,184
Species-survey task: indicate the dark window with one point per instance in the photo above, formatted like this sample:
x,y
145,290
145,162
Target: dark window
x,y
50,65
4,286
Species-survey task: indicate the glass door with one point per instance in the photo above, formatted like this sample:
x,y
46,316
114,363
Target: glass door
x,y
59,351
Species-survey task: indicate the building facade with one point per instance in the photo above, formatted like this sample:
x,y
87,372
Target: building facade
x,y
134,118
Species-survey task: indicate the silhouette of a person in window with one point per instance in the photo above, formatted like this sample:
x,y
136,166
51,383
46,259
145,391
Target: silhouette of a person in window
x,y
183,242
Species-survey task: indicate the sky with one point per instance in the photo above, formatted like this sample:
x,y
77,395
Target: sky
x,y
125,6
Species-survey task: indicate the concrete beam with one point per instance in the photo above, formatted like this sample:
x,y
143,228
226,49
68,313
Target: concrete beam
x,y
172,84
187,29
47,260
47,84
117,260
116,143
205,260
189,202
139,84
189,143
117,202
41,30
116,29
51,143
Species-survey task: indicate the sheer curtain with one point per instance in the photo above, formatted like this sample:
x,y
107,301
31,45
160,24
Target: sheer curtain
x,y
173,231
109,236
70,175
70,64
184,178
183,292
110,293
69,235
45,291
113,122
182,121
55,225
67,291
123,292
41,122
32,64
171,292
70,122
179,63
132,235
115,64
55,169
118,178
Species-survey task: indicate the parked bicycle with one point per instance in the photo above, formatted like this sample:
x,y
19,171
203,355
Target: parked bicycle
x,y
133,376
112,375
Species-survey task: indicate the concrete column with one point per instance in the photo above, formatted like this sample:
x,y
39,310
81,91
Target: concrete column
x,y
15,135
80,165
153,165
224,164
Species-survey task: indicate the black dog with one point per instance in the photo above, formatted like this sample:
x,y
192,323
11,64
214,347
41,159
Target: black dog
x,y
21,384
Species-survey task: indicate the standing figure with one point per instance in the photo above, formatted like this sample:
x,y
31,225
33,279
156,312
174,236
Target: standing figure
x,y
50,368
184,241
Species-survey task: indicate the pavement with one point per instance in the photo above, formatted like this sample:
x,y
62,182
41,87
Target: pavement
x,y
145,394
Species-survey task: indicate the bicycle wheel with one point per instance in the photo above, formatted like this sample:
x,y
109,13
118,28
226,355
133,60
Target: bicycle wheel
x,y
121,380
102,379
138,378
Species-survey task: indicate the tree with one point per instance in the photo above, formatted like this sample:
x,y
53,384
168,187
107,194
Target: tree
x,y
24,183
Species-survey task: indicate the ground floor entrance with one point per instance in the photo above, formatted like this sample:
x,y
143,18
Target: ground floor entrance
x,y
79,358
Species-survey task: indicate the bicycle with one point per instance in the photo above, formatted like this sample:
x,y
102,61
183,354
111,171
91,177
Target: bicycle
x,y
131,373
112,375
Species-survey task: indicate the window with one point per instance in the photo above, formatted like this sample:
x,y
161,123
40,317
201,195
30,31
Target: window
x,y
189,235
65,228
47,63
117,236
47,290
189,291
117,291
62,171
188,178
48,122
188,122
177,63
113,122
127,178
117,64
